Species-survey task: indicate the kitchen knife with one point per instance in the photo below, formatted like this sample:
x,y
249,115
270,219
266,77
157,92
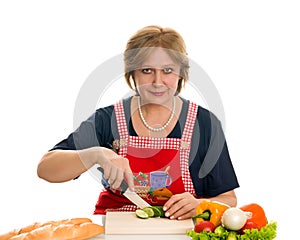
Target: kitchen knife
x,y
132,196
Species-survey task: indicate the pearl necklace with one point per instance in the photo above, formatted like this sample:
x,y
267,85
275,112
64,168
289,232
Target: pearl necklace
x,y
152,128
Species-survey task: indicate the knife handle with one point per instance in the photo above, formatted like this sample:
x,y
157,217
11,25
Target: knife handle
x,y
123,186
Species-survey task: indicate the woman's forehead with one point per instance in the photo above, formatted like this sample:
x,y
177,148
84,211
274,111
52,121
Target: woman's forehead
x,y
160,58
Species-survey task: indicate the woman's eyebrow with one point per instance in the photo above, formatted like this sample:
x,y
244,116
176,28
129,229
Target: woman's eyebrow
x,y
161,67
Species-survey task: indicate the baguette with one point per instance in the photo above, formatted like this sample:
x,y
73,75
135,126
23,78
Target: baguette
x,y
10,234
43,232
29,228
67,229
66,221
76,232
14,232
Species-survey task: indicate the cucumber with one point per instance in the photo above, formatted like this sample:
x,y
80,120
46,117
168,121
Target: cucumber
x,y
156,211
161,211
141,214
149,211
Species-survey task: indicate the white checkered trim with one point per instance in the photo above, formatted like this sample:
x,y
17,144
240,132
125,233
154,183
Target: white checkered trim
x,y
190,122
154,143
185,147
122,127
126,208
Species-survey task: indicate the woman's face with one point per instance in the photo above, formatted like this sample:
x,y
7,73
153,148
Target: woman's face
x,y
157,79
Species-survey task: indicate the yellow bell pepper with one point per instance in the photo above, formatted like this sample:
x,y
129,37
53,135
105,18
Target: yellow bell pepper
x,y
210,211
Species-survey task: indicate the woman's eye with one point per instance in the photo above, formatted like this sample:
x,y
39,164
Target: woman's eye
x,y
146,70
168,70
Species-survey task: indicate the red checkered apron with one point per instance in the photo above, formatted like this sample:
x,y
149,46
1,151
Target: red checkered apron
x,y
157,163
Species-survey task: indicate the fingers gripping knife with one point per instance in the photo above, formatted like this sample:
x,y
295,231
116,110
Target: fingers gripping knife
x,y
132,196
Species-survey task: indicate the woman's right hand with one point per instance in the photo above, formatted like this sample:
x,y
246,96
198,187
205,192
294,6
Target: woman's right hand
x,y
64,165
116,168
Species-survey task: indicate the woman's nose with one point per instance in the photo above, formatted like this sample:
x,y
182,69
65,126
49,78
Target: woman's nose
x,y
158,76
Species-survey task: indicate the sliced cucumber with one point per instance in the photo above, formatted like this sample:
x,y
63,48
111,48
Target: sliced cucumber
x,y
149,211
156,211
141,214
161,211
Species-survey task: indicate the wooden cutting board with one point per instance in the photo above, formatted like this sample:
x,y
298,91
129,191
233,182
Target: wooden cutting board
x,y
129,223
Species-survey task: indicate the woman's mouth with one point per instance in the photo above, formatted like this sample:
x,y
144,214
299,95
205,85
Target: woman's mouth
x,y
157,94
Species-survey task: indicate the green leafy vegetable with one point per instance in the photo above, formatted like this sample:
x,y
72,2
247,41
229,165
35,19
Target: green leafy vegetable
x,y
266,233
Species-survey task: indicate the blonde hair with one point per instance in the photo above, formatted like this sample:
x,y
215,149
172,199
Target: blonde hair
x,y
140,45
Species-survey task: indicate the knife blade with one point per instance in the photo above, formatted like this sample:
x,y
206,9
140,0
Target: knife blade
x,y
132,196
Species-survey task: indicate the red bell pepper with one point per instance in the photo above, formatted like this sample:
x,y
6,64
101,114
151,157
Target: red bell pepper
x,y
258,215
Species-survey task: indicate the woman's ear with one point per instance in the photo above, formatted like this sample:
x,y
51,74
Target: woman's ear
x,y
132,81
179,85
133,84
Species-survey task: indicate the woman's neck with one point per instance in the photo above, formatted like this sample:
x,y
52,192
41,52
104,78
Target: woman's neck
x,y
152,111
155,116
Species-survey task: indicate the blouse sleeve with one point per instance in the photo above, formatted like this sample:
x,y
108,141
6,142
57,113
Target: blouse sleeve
x,y
95,131
211,167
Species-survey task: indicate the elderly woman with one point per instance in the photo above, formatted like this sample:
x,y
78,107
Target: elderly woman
x,y
168,149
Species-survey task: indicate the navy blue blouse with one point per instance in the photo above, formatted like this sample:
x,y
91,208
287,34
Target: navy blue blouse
x,y
210,165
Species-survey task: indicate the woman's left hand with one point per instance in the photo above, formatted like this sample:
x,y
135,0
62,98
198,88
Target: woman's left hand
x,y
181,206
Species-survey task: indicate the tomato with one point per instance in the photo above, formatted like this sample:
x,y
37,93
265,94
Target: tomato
x,y
204,226
249,225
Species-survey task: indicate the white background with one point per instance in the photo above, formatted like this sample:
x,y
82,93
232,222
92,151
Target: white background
x,y
250,50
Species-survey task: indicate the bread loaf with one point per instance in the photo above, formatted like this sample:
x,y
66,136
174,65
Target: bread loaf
x,y
19,231
65,221
43,232
76,232
67,229
10,234
29,228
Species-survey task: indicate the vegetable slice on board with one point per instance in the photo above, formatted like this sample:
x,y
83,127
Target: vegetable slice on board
x,y
156,211
141,214
149,211
161,211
